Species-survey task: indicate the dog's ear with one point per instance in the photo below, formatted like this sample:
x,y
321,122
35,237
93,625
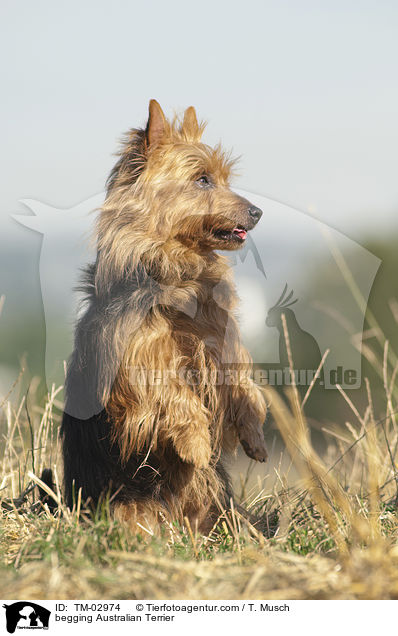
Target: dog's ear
x,y
156,125
190,126
190,120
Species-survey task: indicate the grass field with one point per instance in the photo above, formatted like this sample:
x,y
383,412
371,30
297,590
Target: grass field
x,y
332,534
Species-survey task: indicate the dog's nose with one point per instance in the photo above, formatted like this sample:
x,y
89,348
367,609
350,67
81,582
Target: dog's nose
x,y
255,213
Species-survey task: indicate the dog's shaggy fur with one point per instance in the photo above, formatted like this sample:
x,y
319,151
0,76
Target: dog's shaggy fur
x,y
161,300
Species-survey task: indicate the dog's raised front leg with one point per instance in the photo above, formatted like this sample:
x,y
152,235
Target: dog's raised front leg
x,y
249,411
187,426
152,412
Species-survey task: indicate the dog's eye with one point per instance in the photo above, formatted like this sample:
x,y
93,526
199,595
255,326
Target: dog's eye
x,y
204,181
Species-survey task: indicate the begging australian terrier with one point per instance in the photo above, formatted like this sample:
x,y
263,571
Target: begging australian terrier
x,y
146,418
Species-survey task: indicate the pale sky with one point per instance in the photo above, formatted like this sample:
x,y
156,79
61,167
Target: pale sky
x,y
305,92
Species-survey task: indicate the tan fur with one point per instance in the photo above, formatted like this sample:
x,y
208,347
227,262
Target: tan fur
x,y
163,222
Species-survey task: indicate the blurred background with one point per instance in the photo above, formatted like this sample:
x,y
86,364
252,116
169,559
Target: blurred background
x,y
303,92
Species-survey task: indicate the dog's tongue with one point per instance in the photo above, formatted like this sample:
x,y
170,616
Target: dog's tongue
x,y
238,231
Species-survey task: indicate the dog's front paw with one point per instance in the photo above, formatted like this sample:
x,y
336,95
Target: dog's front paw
x,y
194,448
253,443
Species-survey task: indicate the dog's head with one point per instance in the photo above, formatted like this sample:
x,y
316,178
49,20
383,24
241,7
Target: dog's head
x,y
176,188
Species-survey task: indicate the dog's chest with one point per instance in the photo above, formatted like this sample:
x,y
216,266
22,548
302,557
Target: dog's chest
x,y
203,335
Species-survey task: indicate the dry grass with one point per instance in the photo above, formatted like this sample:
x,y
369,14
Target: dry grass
x,y
331,534
322,539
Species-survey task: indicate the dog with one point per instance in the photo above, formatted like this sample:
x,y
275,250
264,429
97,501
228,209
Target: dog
x,y
160,300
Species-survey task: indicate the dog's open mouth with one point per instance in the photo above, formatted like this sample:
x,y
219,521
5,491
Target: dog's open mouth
x,y
237,234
